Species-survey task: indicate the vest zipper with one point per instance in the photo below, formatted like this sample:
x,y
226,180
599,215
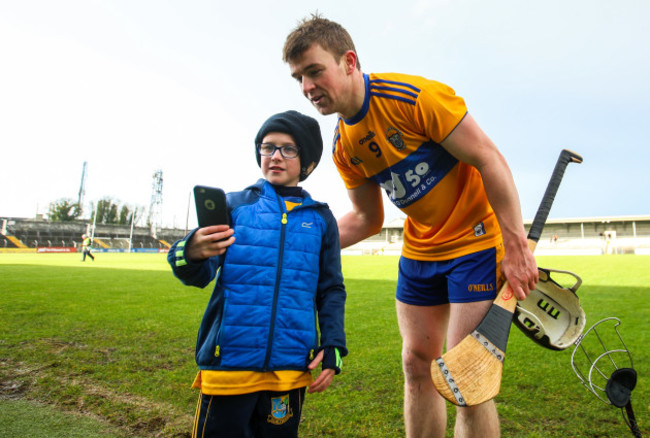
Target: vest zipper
x,y
276,290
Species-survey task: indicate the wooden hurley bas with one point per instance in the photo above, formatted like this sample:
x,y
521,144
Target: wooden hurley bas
x,y
470,373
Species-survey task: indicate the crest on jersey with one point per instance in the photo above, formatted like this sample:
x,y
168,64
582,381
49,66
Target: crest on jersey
x,y
280,410
394,136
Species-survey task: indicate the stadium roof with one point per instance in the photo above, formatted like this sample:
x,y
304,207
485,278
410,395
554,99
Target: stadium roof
x,y
601,219
399,222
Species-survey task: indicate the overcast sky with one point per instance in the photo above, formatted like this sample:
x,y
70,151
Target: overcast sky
x,y
131,87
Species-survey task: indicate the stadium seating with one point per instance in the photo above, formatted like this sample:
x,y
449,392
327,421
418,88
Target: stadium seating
x,y
32,233
616,235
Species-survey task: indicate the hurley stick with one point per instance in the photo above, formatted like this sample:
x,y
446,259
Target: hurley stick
x,y
470,373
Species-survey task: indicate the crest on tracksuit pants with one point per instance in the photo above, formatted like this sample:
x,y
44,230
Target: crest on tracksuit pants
x,y
280,410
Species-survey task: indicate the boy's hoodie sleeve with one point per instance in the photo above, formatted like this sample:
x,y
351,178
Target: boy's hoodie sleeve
x,y
331,295
198,274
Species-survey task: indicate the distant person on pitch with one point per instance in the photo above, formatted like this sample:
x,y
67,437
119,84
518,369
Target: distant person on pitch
x,y
85,248
278,284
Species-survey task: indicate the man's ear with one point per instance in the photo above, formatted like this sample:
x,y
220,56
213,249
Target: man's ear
x,y
350,59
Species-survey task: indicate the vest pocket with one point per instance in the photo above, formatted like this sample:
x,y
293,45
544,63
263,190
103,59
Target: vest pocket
x,y
210,351
241,335
216,346
315,341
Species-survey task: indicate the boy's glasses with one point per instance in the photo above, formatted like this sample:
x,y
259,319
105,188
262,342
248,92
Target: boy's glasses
x,y
287,151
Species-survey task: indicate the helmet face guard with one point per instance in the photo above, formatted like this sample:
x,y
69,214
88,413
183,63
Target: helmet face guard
x,y
606,369
551,315
605,365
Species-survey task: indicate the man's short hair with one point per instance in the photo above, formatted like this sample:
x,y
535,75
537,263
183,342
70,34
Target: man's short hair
x,y
318,30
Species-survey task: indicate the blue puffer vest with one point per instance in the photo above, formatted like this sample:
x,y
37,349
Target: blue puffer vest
x,y
262,314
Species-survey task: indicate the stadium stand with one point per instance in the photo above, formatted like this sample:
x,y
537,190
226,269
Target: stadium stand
x,y
576,236
39,233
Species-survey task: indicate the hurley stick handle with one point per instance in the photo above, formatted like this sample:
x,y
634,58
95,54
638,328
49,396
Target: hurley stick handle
x,y
566,157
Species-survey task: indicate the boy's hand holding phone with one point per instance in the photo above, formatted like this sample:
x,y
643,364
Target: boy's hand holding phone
x,y
214,234
209,241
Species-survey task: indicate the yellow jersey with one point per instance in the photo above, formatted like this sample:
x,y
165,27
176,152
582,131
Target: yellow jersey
x,y
395,142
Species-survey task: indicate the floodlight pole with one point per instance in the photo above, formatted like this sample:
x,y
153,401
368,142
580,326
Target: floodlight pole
x,y
187,215
92,234
131,235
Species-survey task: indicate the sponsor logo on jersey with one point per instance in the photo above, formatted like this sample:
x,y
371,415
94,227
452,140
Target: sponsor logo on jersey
x,y
479,229
411,178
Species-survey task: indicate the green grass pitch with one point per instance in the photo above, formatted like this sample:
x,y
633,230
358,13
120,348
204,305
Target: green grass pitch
x,y
106,348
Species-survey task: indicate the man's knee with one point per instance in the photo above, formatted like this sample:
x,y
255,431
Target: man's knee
x,y
483,416
415,364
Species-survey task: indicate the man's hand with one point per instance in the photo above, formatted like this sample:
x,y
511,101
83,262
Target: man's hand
x,y
209,241
520,269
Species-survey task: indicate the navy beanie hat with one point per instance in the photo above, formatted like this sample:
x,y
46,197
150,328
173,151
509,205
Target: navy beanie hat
x,y
304,130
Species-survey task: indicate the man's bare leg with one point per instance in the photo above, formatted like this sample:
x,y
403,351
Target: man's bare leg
x,y
423,332
481,421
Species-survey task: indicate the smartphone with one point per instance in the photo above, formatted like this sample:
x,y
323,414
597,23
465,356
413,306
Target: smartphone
x,y
211,206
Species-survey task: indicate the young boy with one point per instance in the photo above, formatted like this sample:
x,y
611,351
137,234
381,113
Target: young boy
x,y
279,282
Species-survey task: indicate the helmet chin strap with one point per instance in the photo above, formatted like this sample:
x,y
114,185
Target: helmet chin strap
x,y
620,385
